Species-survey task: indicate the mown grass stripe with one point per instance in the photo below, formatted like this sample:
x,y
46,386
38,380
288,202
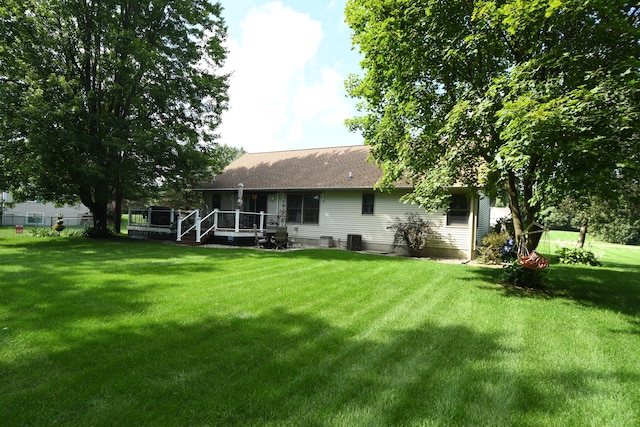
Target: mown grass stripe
x,y
311,337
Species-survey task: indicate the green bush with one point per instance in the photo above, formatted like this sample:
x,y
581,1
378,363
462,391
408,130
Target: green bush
x,y
93,233
577,256
43,232
414,232
490,248
52,232
516,275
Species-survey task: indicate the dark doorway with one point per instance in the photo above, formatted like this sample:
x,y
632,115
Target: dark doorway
x,y
257,202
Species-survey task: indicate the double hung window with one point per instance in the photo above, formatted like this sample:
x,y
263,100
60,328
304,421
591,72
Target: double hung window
x,y
303,208
367,203
458,210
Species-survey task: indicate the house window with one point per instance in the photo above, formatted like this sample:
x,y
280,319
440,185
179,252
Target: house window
x,y
458,210
303,208
367,203
35,218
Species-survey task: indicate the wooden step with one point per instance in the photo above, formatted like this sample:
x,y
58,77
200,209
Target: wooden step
x,y
189,239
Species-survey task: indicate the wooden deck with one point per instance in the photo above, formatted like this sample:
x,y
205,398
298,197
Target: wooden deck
x,y
190,226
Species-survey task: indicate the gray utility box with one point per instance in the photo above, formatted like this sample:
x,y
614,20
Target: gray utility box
x,y
326,241
354,242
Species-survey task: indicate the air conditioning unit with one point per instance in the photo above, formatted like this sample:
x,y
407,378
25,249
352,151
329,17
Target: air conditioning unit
x,y
326,241
354,242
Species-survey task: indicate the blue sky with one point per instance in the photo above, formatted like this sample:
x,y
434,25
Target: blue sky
x,y
289,60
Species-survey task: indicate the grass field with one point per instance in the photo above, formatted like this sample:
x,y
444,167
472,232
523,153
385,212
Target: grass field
x,y
126,332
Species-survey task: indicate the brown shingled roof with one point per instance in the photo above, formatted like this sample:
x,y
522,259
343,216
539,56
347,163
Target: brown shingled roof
x,y
322,168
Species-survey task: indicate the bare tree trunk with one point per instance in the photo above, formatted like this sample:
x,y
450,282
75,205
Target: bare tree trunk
x,y
583,232
514,207
533,230
527,230
100,219
117,213
98,207
117,216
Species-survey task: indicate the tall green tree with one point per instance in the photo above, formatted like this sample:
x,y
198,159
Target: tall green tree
x,y
536,98
179,195
102,100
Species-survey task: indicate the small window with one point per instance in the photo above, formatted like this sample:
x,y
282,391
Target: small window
x,y
367,204
458,210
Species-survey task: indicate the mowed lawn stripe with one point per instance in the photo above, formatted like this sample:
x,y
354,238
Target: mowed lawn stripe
x,y
309,337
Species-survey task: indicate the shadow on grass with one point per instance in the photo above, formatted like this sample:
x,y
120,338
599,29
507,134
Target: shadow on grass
x,y
123,246
613,287
616,289
282,368
48,278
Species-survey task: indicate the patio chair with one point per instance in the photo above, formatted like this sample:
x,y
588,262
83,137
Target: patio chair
x,y
260,240
281,238
292,237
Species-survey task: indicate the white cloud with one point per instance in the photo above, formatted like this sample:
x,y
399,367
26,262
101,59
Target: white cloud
x,y
279,85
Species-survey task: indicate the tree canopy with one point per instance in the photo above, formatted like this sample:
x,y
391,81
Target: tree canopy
x,y
102,100
537,98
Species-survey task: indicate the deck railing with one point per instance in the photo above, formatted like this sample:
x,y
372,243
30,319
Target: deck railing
x,y
192,218
158,220
230,221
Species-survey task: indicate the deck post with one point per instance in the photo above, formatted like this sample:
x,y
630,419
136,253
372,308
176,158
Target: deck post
x,y
215,218
197,225
237,220
261,220
179,229
150,211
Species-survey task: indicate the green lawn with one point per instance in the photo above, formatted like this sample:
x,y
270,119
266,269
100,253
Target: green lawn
x,y
134,333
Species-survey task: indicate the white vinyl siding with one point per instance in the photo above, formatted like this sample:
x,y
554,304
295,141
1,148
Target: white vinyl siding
x,y
341,215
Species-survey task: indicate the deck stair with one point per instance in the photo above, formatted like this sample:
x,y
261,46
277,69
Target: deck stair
x,y
189,239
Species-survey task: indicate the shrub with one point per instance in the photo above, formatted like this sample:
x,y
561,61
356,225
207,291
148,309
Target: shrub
x,y
413,232
616,220
516,275
43,232
93,233
490,249
577,256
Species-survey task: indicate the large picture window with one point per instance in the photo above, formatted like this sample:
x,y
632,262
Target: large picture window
x,y
458,210
303,208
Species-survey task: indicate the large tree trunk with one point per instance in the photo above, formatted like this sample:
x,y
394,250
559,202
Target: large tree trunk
x,y
100,219
583,232
526,229
117,217
98,207
117,213
533,230
514,206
